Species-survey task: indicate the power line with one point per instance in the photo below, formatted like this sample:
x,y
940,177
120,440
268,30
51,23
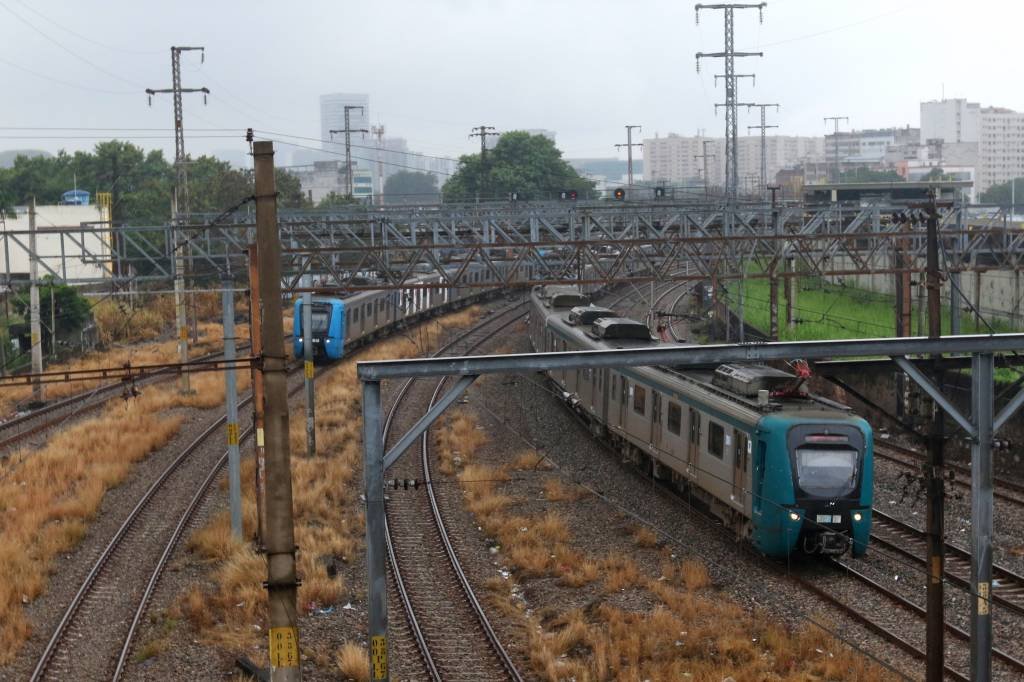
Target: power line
x,y
67,84
80,36
67,49
358,146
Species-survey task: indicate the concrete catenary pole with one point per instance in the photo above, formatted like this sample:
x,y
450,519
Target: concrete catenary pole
x,y
629,153
256,346
307,352
33,304
705,156
231,404
764,145
379,132
280,531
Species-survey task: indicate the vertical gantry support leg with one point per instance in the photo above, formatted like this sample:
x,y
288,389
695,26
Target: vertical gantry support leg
x,y
981,517
307,352
231,404
376,543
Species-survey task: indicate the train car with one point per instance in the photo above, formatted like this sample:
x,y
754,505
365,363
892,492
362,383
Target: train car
x,y
787,470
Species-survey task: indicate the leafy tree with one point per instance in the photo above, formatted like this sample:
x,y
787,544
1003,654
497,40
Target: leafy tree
x,y
520,162
71,309
289,191
1003,194
409,187
934,174
868,175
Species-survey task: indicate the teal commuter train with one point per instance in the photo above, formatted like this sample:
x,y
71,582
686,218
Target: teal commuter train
x,y
787,470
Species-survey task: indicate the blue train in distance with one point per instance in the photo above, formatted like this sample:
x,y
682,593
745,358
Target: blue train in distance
x,y
327,329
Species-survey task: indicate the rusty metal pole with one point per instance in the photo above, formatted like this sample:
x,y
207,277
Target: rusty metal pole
x,y
282,586
256,346
934,521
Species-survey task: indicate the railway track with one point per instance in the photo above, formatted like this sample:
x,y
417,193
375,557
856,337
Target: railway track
x,y
910,542
16,430
112,599
454,638
1003,489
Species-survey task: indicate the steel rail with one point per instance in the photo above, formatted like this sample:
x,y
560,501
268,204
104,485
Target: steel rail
x,y
403,591
1007,589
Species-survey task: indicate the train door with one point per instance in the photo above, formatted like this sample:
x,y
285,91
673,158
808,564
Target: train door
x,y
624,395
693,446
741,464
605,392
656,427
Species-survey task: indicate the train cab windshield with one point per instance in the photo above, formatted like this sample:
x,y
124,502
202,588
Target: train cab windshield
x,y
827,472
826,461
321,318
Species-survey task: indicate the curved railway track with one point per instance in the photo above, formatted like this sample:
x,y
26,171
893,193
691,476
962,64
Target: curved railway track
x,y
16,430
1003,488
910,542
454,638
121,570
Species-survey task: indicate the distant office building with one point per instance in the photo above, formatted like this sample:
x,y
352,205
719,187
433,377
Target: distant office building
x,y
332,117
320,178
83,255
950,120
870,146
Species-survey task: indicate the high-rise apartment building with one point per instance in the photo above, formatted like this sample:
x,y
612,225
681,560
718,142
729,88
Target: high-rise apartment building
x,y
950,120
1001,147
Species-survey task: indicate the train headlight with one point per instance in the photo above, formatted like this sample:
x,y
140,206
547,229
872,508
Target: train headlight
x,y
794,516
300,339
857,516
327,340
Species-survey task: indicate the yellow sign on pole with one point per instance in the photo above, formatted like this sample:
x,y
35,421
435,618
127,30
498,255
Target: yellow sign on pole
x,y
379,657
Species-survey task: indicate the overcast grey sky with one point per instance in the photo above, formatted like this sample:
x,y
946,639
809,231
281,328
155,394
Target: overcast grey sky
x,y
433,69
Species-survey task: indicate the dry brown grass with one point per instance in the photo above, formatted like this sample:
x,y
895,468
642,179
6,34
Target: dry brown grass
x,y
644,536
531,460
352,660
48,496
457,440
556,491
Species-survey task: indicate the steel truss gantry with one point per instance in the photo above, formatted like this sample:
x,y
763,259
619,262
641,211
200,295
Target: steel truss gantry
x,y
542,242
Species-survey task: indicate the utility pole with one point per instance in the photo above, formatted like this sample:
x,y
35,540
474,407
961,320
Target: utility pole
x,y
934,480
280,531
629,152
482,132
307,352
231,403
180,204
33,305
348,143
258,421
379,132
764,146
835,120
705,156
730,77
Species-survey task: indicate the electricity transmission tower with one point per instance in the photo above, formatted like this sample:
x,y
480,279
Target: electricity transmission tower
x,y
379,132
836,120
764,145
705,156
482,132
629,152
181,207
348,130
730,77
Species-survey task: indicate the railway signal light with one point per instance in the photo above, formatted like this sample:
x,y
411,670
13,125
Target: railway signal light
x,y
513,196
659,192
619,194
568,194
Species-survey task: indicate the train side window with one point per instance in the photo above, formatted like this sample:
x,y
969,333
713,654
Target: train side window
x,y
716,440
639,399
675,418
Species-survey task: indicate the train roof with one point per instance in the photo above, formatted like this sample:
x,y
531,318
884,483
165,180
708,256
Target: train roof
x,y
699,383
